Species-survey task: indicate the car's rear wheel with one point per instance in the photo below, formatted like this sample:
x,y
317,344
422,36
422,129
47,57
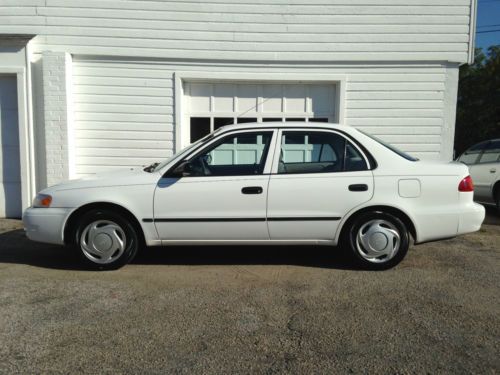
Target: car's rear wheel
x,y
377,240
106,240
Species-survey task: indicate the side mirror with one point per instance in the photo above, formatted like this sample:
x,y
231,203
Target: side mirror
x,y
182,170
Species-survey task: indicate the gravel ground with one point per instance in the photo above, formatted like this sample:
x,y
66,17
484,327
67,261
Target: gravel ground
x,y
251,309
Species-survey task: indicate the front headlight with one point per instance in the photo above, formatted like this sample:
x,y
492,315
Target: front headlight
x,y
42,200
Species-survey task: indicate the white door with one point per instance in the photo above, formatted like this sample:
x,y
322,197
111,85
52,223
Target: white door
x,y
320,176
224,195
10,176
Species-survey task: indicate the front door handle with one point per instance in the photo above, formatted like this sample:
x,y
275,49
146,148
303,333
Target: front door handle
x,y
358,187
252,190
493,170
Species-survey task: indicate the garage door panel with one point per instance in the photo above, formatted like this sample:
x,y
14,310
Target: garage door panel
x,y
10,206
295,98
9,133
247,98
324,98
272,98
10,176
9,160
8,93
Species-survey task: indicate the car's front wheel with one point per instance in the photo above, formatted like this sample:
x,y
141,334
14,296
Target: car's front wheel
x,y
106,240
377,240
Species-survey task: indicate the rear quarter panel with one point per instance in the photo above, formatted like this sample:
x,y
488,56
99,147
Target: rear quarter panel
x,y
435,210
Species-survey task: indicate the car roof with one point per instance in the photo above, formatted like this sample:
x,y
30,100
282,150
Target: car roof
x,y
282,124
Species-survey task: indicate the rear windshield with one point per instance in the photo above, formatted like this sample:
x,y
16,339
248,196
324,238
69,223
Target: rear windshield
x,y
391,147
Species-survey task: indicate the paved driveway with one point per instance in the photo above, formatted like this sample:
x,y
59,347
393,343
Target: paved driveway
x,y
251,309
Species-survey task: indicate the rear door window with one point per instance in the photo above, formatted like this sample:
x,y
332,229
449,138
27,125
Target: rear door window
x,y
318,152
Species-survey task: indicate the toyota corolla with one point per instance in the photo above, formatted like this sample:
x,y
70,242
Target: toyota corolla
x,y
272,183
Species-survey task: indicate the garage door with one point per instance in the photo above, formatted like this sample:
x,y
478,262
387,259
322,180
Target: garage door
x,y
10,176
209,106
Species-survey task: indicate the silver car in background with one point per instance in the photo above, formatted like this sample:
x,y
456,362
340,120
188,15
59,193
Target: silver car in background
x,y
483,160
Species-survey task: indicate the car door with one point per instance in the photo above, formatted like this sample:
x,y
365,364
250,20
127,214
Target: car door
x,y
222,195
318,177
486,172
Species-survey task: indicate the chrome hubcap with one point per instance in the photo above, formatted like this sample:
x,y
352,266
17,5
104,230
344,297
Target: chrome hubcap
x,y
103,241
378,241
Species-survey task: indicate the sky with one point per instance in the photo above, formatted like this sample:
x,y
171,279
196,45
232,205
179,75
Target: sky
x,y
488,23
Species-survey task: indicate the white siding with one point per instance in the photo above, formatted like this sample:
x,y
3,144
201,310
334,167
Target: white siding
x,y
123,115
124,109
287,30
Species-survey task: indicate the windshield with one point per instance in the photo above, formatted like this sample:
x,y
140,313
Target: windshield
x,y
185,151
390,147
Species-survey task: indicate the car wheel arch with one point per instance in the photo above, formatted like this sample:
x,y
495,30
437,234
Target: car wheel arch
x,y
72,221
400,214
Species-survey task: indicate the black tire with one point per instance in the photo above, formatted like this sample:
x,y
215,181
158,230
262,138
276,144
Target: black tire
x,y
106,220
388,224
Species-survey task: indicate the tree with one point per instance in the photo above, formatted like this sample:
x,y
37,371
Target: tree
x,y
478,102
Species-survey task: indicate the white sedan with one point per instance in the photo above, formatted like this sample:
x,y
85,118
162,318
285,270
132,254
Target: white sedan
x,y
272,183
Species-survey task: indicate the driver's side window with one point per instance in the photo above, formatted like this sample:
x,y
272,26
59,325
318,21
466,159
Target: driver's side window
x,y
235,155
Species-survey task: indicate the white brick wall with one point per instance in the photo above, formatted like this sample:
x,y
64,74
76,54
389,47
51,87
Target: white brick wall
x,y
56,115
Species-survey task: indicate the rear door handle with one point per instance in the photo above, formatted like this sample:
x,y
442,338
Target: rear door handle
x,y
493,170
358,187
252,190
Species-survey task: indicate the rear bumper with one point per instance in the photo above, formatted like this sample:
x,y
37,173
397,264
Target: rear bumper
x,y
433,225
470,220
45,224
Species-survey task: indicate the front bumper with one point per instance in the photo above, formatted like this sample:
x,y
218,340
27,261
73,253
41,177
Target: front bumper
x,y
46,224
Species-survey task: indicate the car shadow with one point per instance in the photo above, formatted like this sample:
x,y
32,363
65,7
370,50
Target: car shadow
x,y
15,248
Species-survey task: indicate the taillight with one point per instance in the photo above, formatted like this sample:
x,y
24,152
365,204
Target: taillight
x,y
466,184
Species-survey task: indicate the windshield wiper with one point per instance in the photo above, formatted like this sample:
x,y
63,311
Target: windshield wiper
x,y
151,168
